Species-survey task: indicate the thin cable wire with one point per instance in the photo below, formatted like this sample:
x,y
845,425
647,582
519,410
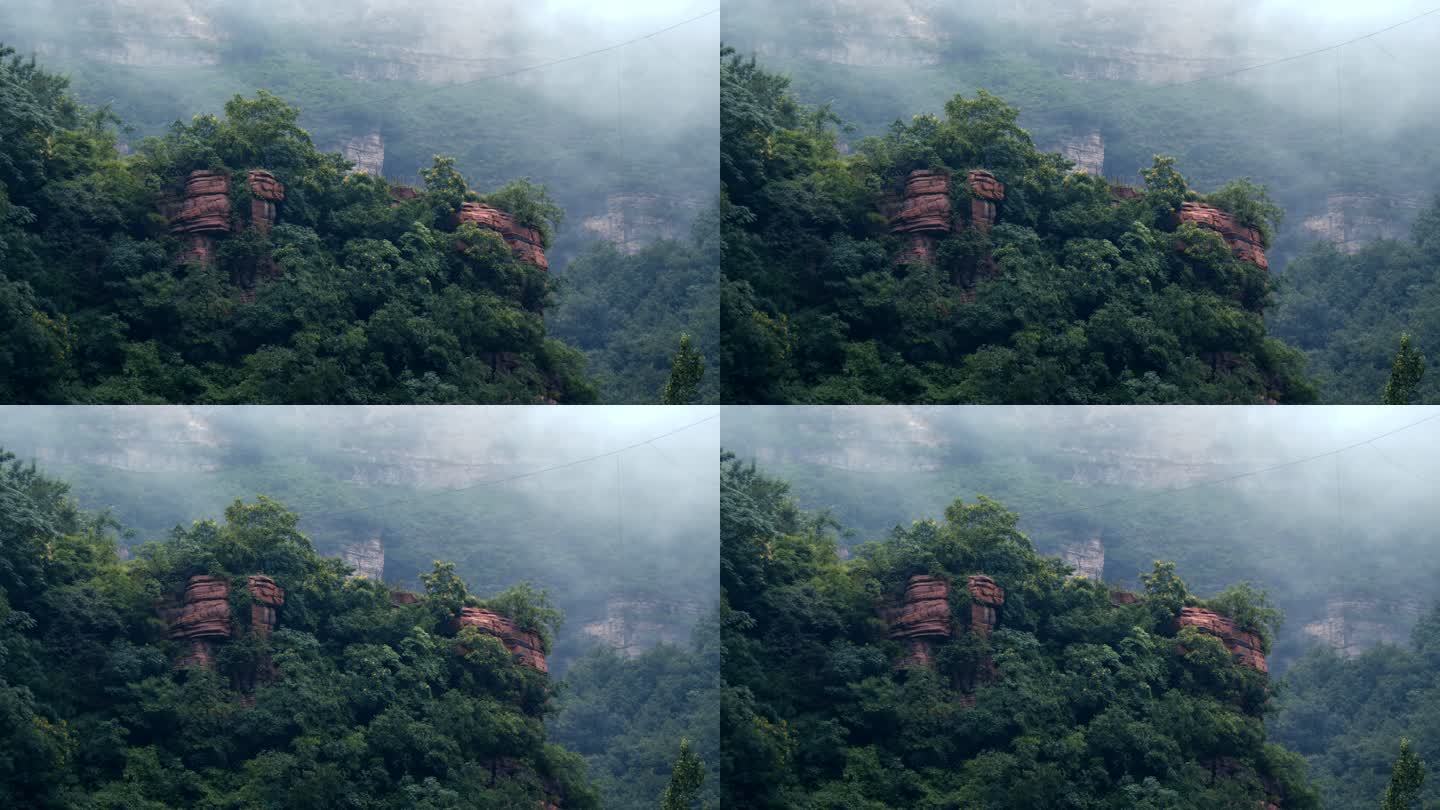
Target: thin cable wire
x,y
413,94
1236,477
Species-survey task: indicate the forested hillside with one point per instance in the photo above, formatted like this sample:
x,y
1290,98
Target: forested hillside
x,y
1230,91
1347,311
948,664
950,260
390,86
232,666
1110,490
1344,715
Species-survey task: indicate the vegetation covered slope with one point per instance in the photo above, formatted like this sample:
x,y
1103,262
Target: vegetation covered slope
x,y
370,704
1092,298
1346,716
626,716
375,301
1092,705
1348,311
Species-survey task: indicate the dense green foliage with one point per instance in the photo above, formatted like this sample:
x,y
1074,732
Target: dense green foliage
x,y
374,302
628,716
1092,705
1094,298
373,706
1348,717
1348,311
628,311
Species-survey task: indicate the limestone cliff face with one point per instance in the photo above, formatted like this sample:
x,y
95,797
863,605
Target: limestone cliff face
x,y
147,33
1087,557
899,439
633,220
173,439
1086,151
633,626
1352,625
861,33
367,152
1353,219
367,557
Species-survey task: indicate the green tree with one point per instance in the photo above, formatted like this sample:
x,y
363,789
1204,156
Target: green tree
x,y
686,778
687,369
1407,777
1405,374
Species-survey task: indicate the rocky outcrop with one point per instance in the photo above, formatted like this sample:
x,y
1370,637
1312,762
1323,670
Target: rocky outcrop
x,y
265,598
1354,624
367,557
367,152
1086,151
200,214
985,192
265,192
525,646
1087,557
526,243
202,618
922,617
632,626
926,205
986,599
1246,243
399,598
1119,598
1353,219
633,220
1244,646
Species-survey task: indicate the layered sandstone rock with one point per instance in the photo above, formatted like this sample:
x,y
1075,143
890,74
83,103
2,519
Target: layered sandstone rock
x,y
1245,243
922,617
367,557
265,192
526,243
1245,646
265,597
926,205
398,598
985,599
985,192
200,214
523,645
1118,598
202,620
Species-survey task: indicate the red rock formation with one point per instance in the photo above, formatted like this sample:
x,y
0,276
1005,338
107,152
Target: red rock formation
x,y
398,598
926,610
926,207
265,597
201,213
202,618
985,191
985,597
399,194
1246,647
524,645
526,243
1118,598
1119,192
1245,243
206,205
265,191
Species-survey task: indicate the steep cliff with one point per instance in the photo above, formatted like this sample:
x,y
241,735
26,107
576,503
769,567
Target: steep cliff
x,y
203,618
632,220
1246,647
1353,219
633,626
524,645
1087,151
1087,557
367,152
1353,624
367,557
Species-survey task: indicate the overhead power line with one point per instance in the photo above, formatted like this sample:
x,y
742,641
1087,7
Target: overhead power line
x,y
508,478
1229,478
412,94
